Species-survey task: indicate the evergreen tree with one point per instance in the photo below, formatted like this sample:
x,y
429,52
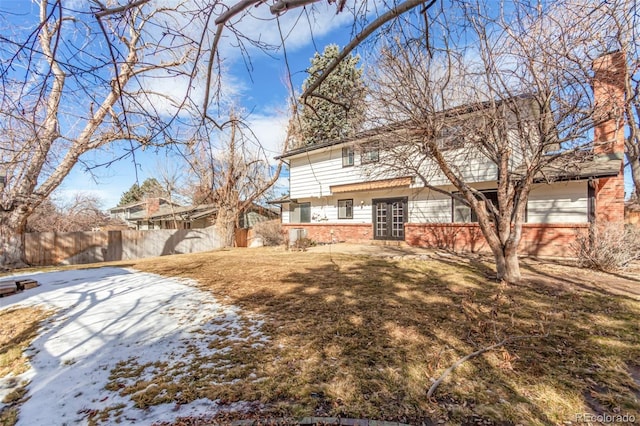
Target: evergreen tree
x,y
150,188
337,110
132,195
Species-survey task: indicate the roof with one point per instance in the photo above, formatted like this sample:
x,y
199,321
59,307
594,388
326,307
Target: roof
x,y
141,202
285,199
184,213
400,125
580,165
200,211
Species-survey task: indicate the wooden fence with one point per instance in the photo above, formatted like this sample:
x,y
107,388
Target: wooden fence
x,y
54,248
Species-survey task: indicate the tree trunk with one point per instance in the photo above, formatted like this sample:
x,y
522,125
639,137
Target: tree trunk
x,y
507,265
226,226
634,162
12,225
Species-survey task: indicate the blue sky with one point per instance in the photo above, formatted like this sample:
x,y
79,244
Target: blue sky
x,y
261,91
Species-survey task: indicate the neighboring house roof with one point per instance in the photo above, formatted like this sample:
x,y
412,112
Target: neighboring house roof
x,y
139,203
184,213
281,200
200,211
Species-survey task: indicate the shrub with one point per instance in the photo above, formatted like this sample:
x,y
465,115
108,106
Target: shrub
x,y
608,248
270,231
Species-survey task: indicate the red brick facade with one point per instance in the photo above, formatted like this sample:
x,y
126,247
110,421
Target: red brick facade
x,y
537,239
333,233
610,199
608,91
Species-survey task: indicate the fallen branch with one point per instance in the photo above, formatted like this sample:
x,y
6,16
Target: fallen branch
x,y
459,362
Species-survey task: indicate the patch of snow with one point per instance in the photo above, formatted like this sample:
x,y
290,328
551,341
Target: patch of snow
x,y
109,315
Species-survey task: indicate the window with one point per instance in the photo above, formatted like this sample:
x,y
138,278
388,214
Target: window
x,y
463,213
347,157
300,212
345,209
370,155
451,137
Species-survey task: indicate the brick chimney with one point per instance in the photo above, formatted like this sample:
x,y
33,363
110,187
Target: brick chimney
x,y
608,92
153,205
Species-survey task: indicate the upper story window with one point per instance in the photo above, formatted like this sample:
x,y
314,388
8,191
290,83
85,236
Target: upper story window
x,y
451,137
370,155
347,157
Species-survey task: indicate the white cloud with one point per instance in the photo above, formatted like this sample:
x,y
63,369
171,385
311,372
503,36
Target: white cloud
x,y
107,197
270,130
258,25
261,25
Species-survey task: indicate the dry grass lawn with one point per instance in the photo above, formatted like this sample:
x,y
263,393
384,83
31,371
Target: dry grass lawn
x,y
18,328
365,337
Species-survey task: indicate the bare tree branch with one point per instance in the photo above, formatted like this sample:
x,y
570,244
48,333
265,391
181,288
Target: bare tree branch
x,y
282,6
236,9
472,355
366,32
105,12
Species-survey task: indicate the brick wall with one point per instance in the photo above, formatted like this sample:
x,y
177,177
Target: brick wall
x,y
537,239
153,205
608,91
322,232
610,200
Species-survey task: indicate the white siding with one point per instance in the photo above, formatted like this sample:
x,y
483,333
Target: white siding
x,y
312,174
560,202
423,205
430,207
472,167
285,213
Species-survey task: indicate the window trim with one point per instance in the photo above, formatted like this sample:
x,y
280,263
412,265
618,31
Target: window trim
x,y
346,200
348,156
299,206
366,152
472,214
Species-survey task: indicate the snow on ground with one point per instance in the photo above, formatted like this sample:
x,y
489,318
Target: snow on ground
x,y
107,315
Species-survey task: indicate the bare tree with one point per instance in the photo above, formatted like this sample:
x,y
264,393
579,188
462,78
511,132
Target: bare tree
x,y
45,131
84,80
514,106
82,212
231,174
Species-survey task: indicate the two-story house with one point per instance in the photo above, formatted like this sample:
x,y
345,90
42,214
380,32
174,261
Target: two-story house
x,y
335,194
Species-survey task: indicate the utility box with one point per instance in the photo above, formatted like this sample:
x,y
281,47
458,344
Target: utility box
x,y
296,234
